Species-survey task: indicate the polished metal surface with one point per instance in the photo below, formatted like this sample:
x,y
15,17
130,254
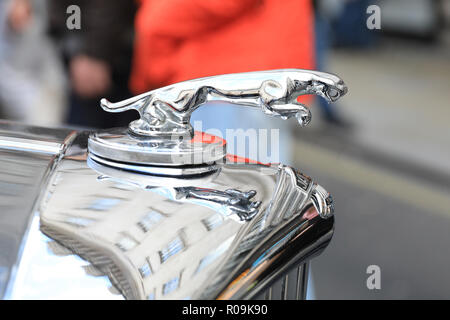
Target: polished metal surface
x,y
292,286
19,137
167,110
27,157
120,146
212,238
233,201
156,170
154,211
163,134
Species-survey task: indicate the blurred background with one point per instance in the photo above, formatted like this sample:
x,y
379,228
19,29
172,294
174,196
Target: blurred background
x,y
382,151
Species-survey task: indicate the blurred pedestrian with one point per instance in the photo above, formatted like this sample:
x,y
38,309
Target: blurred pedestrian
x,y
32,83
325,11
98,57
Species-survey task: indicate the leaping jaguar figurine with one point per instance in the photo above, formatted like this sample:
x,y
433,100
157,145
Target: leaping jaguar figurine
x,y
167,110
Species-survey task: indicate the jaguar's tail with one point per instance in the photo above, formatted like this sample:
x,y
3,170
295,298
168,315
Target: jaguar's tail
x,y
128,104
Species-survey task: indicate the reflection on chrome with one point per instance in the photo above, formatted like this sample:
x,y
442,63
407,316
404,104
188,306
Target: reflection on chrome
x,y
115,215
234,234
176,242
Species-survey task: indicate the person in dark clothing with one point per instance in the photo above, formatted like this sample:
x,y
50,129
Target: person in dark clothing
x,y
98,57
325,14
324,10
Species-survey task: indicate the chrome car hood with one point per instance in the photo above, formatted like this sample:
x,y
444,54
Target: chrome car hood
x,y
157,210
91,231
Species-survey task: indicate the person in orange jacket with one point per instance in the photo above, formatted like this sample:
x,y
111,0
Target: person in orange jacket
x,y
177,40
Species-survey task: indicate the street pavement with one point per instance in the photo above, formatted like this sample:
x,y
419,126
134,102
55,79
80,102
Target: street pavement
x,y
389,175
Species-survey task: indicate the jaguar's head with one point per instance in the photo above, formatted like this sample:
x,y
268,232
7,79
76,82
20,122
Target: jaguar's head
x,y
306,82
328,86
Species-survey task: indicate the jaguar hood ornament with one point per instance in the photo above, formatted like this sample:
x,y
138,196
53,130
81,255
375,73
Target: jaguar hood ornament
x,y
167,110
164,136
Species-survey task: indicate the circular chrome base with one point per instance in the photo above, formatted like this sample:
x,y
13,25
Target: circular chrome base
x,y
147,179
185,171
119,145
